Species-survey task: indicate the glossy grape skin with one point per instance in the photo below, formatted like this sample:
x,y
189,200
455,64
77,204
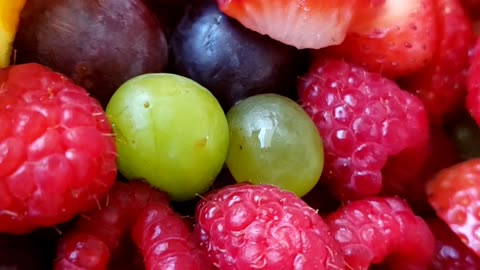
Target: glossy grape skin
x,y
230,60
170,131
272,140
98,44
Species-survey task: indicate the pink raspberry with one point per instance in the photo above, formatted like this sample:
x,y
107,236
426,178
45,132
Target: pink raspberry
x,y
246,226
166,241
57,152
374,230
366,122
97,235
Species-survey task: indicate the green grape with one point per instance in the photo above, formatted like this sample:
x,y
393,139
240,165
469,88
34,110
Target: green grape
x,y
170,131
273,141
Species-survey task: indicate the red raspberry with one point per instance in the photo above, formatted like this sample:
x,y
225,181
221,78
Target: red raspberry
x,y
98,234
373,230
57,152
473,84
454,193
365,120
450,252
246,226
441,84
167,242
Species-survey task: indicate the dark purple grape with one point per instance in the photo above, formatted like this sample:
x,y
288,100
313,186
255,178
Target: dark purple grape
x,y
99,44
230,60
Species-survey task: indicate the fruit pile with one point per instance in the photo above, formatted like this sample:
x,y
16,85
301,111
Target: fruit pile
x,y
240,134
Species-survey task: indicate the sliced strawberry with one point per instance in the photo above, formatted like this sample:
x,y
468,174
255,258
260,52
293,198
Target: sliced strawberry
x,y
304,24
473,84
454,193
399,39
441,84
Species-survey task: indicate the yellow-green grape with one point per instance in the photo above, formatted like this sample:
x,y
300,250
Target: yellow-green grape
x,y
170,131
273,141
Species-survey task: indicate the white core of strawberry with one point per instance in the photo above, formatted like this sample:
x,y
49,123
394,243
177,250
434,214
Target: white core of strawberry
x,y
302,24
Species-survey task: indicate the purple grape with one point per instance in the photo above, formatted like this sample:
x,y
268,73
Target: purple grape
x,y
230,60
98,44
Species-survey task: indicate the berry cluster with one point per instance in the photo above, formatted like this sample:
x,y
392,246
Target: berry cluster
x,y
240,134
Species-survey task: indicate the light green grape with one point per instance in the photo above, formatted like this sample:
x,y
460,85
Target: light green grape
x,y
273,141
170,131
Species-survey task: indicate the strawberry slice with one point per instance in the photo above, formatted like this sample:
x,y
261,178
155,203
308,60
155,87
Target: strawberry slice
x,y
454,193
441,84
303,24
473,83
400,38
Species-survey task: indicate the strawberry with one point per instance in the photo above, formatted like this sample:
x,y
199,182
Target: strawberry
x,y
376,229
450,252
399,39
441,84
454,193
473,83
300,23
246,226
57,152
366,122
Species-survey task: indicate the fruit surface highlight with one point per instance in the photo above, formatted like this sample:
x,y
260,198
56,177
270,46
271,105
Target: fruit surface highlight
x,y
271,138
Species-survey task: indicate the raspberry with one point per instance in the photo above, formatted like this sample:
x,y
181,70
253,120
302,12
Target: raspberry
x,y
166,241
98,234
365,121
454,193
450,252
57,154
246,226
376,229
